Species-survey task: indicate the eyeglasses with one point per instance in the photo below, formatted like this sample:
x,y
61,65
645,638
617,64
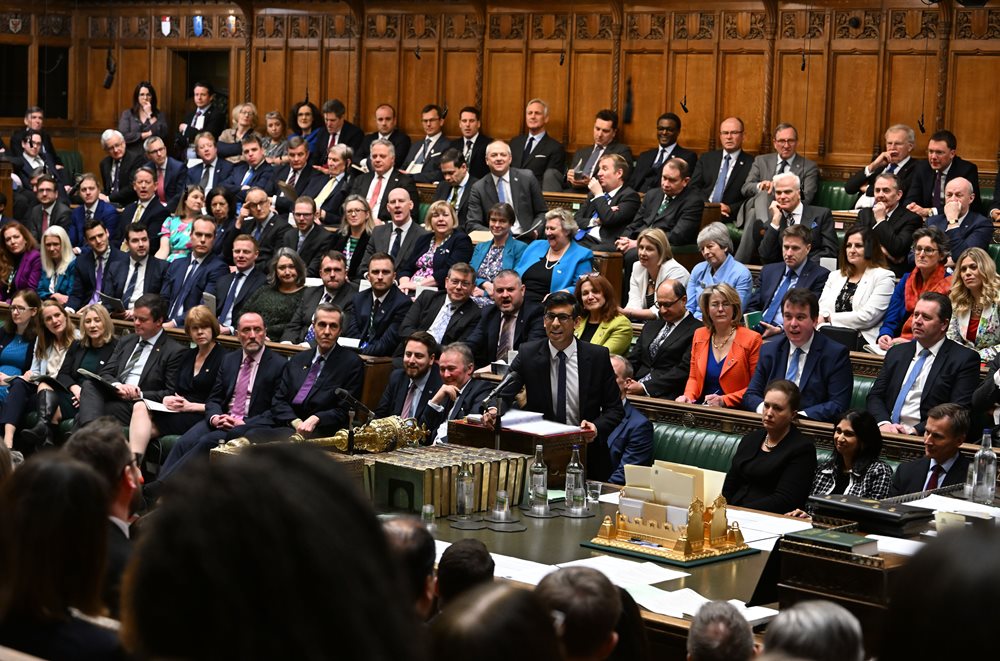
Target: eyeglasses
x,y
354,212
667,304
927,251
561,318
720,305
21,309
307,214
255,205
786,141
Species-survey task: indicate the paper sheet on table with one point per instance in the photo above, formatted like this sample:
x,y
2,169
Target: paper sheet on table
x,y
945,504
543,428
766,544
439,548
523,571
627,572
896,545
655,600
767,523
755,614
610,497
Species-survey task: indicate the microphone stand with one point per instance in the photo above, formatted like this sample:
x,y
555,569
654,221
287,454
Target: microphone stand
x,y
350,431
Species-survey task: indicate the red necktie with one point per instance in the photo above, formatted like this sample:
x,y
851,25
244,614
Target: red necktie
x,y
936,474
373,200
45,221
160,193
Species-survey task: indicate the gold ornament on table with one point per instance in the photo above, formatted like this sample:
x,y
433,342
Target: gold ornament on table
x,y
380,435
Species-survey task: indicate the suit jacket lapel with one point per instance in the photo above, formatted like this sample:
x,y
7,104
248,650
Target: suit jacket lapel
x,y
154,356
944,354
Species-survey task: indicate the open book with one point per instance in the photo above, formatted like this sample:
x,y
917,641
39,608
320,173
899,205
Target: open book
x,y
46,379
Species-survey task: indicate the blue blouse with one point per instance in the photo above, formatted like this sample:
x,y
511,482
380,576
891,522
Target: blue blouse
x,y
63,282
712,372
731,272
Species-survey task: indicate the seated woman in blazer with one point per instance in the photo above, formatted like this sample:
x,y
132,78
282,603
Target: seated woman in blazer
x,y
773,467
857,295
723,353
435,253
656,263
601,323
556,262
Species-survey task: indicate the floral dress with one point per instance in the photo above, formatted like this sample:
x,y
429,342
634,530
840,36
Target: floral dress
x,y
179,232
492,264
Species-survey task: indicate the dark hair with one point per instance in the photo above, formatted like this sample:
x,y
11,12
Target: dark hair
x,y
945,136
181,210
156,305
336,106
495,622
633,643
336,256
432,106
152,100
589,603
207,85
789,389
944,304
382,256
873,249
414,551
293,119
8,262
939,238
453,156
281,507
610,308
102,446
869,436
463,565
560,298
802,296
426,339
679,164
608,115
251,138
719,633
958,414
53,538
799,231
670,116
224,192
29,134
474,110
31,332
136,228
504,210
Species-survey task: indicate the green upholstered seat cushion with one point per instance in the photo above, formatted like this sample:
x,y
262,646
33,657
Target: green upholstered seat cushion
x,y
859,393
831,194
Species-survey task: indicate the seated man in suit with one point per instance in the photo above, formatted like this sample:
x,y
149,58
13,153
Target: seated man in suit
x,y
143,366
242,390
631,442
412,385
584,163
964,227
796,270
385,120
32,158
720,174
472,143
49,211
423,160
536,150
819,366
890,221
925,194
649,167
458,395
379,312
331,191
942,466
336,289
212,170
506,184
787,209
296,173
34,122
611,205
398,237
336,130
568,381
457,184
233,289
258,219
101,270
145,272
188,278
146,208
171,174
450,315
661,357
253,172
309,239
895,160
117,169
503,327
93,207
917,376
381,179
675,207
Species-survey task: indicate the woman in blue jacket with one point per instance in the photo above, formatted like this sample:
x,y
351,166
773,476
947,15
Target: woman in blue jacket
x,y
491,257
556,262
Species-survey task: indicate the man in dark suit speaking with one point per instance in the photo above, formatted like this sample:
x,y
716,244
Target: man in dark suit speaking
x,y
570,382
942,465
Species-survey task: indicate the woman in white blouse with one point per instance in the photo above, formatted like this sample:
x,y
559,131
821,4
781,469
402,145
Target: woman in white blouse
x,y
857,295
656,263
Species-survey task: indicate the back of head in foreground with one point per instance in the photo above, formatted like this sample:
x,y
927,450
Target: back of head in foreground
x,y
816,630
464,565
719,633
589,607
272,554
495,622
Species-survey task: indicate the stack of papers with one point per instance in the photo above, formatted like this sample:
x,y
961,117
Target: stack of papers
x,y
940,503
686,602
762,531
628,572
508,567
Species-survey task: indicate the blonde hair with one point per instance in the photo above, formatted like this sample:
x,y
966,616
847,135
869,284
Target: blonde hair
x,y
440,204
105,317
729,294
961,297
659,239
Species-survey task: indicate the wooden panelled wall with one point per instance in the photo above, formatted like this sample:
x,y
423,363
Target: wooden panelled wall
x,y
839,70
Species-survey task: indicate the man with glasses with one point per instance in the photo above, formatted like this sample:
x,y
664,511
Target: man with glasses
x,y
33,158
379,312
336,289
34,120
568,381
719,175
309,239
646,175
661,357
117,169
49,211
423,162
257,219
449,316
171,174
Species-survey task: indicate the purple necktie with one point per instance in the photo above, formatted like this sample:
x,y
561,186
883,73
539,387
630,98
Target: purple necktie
x,y
241,395
100,281
307,385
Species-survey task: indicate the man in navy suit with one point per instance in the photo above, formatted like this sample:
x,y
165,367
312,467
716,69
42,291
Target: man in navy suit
x,y
335,289
890,221
895,160
93,207
553,368
964,227
100,270
187,279
257,219
536,150
675,207
521,320
458,395
796,270
820,367
385,120
649,166
255,172
308,238
382,178
206,116
379,311
456,186
146,209
145,272
171,173
336,130
942,466
611,205
117,169
720,174
661,357
423,160
789,209
925,196
917,376
232,290
583,166
631,442
212,170
412,385
472,143
296,173
226,407
449,316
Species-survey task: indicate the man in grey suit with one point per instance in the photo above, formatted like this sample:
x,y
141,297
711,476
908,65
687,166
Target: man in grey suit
x,y
397,237
759,185
519,188
375,185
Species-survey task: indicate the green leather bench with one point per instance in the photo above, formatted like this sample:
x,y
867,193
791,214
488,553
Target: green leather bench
x,y
831,194
73,162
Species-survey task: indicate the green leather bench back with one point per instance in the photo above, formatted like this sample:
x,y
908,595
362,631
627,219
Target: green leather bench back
x,y
994,250
859,393
694,447
831,194
73,162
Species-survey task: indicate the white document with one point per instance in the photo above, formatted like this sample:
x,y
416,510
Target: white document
x,y
943,503
523,571
612,497
349,342
156,406
755,614
655,600
439,548
543,428
364,285
896,545
766,523
316,282
628,572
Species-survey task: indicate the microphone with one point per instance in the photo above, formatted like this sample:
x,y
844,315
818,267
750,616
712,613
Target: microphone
x,y
511,374
354,402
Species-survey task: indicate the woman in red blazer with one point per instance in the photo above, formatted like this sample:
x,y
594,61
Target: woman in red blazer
x,y
723,353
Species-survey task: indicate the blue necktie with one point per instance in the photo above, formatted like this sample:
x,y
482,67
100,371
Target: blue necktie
x,y
793,367
227,305
501,193
247,177
177,310
908,385
720,183
130,289
561,389
772,309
